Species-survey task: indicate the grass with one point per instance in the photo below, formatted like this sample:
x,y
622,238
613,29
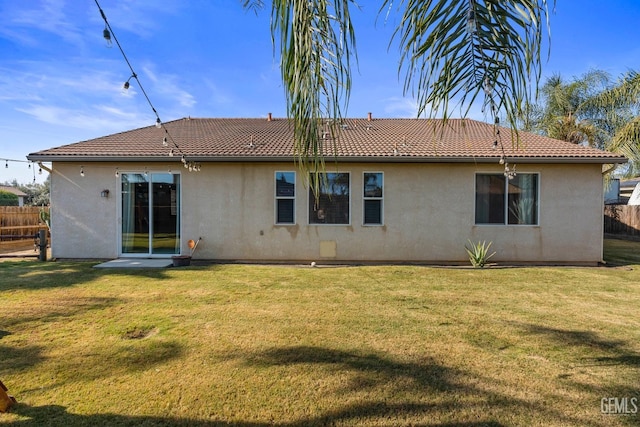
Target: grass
x,y
260,345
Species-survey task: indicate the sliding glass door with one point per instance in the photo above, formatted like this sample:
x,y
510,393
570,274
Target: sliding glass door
x,y
150,214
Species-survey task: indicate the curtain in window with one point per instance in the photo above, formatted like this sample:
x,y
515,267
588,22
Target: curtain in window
x,y
523,194
490,199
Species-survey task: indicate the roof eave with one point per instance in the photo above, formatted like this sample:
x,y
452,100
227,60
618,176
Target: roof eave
x,y
359,159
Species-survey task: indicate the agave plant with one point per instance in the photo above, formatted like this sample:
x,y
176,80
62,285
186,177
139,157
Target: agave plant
x,y
479,253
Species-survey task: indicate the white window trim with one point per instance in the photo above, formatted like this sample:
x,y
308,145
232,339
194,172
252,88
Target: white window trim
x,y
365,198
276,197
506,195
315,224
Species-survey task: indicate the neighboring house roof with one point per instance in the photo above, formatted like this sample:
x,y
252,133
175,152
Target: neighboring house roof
x,y
13,190
385,140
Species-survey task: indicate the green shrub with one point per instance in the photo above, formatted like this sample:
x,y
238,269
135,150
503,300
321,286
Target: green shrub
x,y
8,199
479,253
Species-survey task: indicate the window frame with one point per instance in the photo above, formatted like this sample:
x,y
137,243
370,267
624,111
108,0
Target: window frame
x,y
366,198
311,201
506,200
277,197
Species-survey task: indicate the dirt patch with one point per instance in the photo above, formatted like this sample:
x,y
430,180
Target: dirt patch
x,y
140,333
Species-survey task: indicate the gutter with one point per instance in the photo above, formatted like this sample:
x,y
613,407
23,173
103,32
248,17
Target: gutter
x,y
342,159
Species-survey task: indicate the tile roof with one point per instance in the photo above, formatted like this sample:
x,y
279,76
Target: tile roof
x,y
386,140
13,190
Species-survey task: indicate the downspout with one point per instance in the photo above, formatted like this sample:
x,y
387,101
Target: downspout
x,y
613,166
45,168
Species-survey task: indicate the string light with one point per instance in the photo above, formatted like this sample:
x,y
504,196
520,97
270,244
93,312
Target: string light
x,y
117,172
109,35
6,162
126,84
82,171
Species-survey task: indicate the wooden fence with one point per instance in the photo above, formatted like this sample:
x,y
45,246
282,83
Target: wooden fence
x,y
622,219
18,225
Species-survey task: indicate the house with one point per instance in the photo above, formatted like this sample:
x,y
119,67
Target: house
x,y
394,190
21,195
627,188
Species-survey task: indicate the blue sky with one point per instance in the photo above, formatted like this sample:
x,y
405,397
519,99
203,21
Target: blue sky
x,y
60,83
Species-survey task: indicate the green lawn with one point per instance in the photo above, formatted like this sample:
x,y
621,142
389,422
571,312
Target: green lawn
x,y
259,345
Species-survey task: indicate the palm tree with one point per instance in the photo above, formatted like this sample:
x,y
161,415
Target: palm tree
x,y
591,110
451,51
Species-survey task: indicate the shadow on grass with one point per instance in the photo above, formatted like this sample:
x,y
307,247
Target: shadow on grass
x,y
23,275
426,374
16,359
576,338
64,309
455,389
58,415
616,352
619,251
613,353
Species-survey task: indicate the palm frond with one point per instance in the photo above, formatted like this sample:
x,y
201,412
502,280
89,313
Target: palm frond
x,y
317,42
465,49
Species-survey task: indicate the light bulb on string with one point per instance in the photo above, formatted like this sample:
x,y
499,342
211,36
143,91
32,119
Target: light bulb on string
x,y
39,171
127,84
171,153
81,170
6,164
164,142
471,22
107,36
117,172
158,123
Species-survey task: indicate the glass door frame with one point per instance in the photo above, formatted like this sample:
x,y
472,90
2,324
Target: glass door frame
x,y
150,207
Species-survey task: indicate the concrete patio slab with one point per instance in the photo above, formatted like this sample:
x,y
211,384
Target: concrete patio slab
x,y
136,263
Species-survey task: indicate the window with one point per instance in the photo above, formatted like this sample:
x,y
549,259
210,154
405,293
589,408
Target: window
x,y
332,204
512,201
372,195
285,197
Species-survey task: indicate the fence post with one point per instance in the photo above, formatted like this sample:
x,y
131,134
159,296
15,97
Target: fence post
x,y
43,244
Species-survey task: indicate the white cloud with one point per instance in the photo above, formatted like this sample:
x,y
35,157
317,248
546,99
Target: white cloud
x,y
170,87
101,118
50,16
400,107
140,17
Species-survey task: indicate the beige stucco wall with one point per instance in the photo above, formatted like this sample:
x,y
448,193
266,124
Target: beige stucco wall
x,y
428,214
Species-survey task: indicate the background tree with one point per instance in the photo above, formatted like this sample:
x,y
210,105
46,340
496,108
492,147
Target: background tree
x,y
36,194
452,53
591,110
8,199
